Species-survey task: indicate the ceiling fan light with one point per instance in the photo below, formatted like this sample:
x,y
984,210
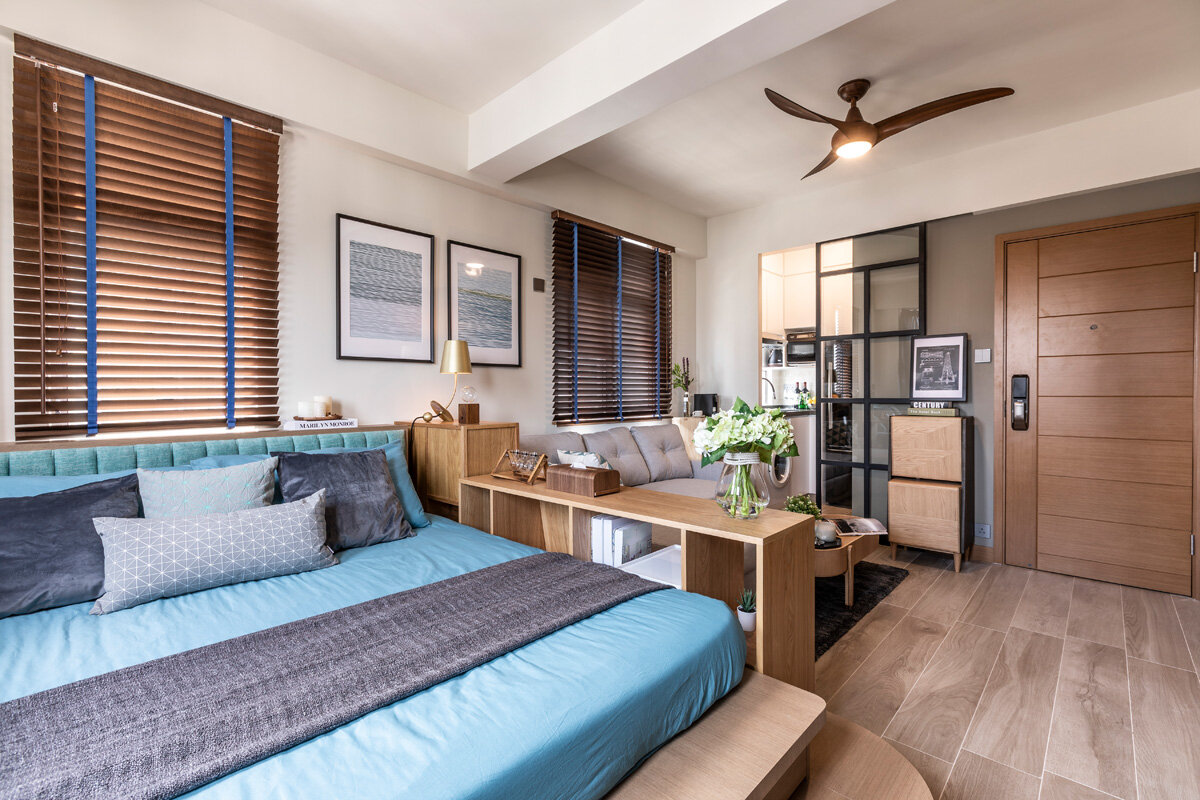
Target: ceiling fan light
x,y
853,149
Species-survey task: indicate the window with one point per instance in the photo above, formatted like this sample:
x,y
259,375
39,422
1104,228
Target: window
x,y
145,261
612,324
871,301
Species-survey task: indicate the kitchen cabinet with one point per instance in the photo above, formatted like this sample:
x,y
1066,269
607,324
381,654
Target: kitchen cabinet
x,y
772,302
799,301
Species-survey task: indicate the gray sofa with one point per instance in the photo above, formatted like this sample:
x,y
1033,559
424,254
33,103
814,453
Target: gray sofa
x,y
649,456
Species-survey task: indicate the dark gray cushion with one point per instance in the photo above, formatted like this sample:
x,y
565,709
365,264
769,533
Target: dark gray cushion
x,y
145,559
551,443
662,448
50,554
618,446
361,506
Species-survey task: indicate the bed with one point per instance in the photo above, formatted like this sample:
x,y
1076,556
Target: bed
x,y
565,716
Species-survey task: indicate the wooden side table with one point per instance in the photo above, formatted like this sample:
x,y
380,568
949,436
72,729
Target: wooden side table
x,y
713,553
445,452
834,561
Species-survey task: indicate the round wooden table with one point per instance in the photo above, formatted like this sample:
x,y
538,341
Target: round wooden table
x,y
841,560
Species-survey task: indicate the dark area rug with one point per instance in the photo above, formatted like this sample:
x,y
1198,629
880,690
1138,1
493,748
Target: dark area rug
x,y
872,583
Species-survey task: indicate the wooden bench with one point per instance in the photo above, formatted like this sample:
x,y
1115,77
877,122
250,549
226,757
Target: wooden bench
x,y
751,745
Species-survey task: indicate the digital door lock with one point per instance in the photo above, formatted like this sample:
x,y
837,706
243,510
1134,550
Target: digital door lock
x,y
1020,403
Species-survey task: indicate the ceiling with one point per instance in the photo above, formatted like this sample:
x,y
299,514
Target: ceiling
x,y
460,53
723,147
726,147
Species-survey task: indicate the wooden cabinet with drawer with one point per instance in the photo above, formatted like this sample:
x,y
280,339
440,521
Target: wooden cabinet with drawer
x,y
931,502
446,452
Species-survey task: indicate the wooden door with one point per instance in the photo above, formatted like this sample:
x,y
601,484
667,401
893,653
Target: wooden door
x,y
1101,318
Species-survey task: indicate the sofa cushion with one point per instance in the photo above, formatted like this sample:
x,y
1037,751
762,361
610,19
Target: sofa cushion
x,y
692,487
663,450
618,446
551,443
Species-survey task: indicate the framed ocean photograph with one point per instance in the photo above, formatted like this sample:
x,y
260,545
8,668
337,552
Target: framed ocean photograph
x,y
384,292
939,367
485,303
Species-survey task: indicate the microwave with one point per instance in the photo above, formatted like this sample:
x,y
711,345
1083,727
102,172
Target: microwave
x,y
800,347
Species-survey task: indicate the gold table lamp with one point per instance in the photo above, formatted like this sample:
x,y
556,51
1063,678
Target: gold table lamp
x,y
456,360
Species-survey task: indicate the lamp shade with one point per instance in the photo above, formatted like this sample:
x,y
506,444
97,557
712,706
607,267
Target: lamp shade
x,y
456,357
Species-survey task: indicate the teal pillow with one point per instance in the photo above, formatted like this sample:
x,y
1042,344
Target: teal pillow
x,y
397,463
32,485
206,491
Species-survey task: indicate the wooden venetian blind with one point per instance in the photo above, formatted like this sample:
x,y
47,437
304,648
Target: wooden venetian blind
x,y
146,263
612,325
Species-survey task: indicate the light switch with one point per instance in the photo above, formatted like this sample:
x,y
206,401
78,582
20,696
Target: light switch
x,y
983,355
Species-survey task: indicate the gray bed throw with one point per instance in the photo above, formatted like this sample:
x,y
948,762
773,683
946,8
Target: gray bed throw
x,y
160,729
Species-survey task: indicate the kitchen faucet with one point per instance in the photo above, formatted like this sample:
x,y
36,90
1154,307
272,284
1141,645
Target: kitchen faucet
x,y
774,394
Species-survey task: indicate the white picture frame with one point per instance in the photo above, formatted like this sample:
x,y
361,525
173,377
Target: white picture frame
x,y
939,368
483,303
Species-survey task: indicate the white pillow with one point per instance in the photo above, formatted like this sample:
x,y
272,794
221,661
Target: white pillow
x,y
583,459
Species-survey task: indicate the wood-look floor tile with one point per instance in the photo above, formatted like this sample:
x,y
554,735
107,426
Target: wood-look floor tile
x,y
1189,617
937,712
995,602
1091,738
914,586
1045,603
947,598
1166,728
933,770
1096,613
848,654
1012,723
978,778
1056,787
1152,629
883,555
872,694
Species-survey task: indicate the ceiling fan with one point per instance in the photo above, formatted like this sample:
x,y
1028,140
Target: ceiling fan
x,y
855,136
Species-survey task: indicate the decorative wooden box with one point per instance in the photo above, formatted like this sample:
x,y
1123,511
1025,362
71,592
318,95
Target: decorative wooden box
x,y
588,481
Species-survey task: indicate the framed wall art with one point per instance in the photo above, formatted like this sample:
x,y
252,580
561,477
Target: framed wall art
x,y
484,304
384,292
939,367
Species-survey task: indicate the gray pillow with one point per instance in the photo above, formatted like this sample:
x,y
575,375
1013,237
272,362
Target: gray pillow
x,y
192,492
361,506
618,446
145,559
662,447
50,555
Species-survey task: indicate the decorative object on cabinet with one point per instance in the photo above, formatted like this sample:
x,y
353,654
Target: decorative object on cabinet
x,y
681,378
456,360
521,465
585,481
384,292
747,615
484,302
939,367
744,438
931,490
445,452
468,409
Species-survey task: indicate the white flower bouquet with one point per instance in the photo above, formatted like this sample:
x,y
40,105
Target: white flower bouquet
x,y
744,437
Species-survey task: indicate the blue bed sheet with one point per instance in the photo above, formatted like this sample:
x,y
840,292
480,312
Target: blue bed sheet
x,y
564,717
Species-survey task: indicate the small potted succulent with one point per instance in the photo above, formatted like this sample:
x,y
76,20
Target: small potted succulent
x,y
825,530
747,613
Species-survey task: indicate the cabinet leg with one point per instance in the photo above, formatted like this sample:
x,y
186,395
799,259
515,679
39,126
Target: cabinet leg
x,y
958,562
849,578
893,551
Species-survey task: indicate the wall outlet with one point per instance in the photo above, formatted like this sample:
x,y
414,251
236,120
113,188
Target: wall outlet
x,y
983,531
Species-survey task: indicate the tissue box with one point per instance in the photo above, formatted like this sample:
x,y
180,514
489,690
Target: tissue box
x,y
586,481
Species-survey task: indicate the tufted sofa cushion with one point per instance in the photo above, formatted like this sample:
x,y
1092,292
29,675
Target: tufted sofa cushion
x,y
619,447
662,448
551,443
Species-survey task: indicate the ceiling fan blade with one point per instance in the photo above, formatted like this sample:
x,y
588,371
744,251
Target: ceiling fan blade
x,y
923,113
797,110
829,159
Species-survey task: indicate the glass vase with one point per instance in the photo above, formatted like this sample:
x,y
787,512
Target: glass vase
x,y
743,489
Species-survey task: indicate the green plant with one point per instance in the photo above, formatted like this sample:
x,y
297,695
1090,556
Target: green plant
x,y
803,504
681,375
747,602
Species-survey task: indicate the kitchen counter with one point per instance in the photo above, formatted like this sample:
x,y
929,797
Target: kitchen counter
x,y
792,411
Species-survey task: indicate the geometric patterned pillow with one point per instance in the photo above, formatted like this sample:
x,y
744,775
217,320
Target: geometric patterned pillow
x,y
145,559
189,493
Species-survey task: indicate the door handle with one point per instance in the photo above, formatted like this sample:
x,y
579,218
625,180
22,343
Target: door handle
x,y
1020,403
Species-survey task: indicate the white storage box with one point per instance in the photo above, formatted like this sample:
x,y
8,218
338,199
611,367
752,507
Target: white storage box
x,y
661,566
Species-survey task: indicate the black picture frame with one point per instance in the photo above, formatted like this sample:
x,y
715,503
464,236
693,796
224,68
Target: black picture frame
x,y
928,380
481,354
365,348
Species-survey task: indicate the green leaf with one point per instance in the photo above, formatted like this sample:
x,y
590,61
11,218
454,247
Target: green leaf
x,y
740,406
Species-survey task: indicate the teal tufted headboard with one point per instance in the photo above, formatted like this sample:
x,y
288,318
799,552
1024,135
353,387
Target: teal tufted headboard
x,y
103,458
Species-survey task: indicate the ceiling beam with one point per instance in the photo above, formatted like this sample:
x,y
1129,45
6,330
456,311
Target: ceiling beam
x,y
658,52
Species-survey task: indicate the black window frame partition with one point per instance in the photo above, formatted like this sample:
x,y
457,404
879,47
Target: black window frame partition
x,y
866,336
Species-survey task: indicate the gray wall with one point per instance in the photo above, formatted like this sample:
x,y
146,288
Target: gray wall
x,y
960,284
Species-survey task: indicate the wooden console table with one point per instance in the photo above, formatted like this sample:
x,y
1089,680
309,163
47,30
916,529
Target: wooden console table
x,y
713,553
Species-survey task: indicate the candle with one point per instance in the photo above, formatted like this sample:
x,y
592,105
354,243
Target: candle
x,y
307,409
324,404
